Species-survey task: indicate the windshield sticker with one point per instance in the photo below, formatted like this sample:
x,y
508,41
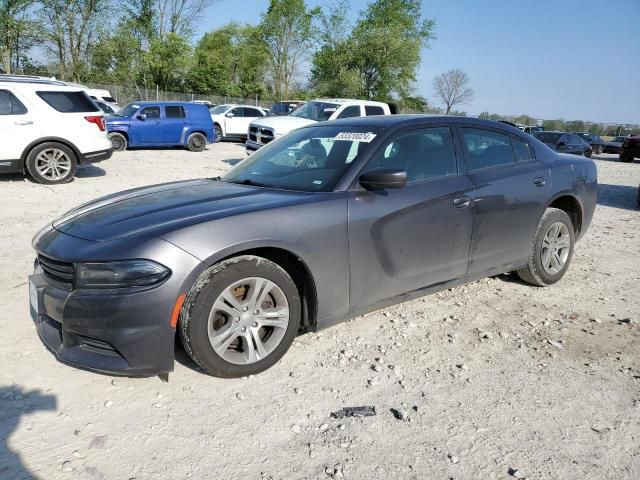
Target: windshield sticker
x,y
355,137
135,106
317,182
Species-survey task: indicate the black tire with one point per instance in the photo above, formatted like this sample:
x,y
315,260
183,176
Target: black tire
x,y
218,133
196,142
626,158
194,316
118,141
34,163
534,272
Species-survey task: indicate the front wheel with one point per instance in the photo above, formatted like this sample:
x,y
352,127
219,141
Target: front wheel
x,y
240,317
551,251
196,142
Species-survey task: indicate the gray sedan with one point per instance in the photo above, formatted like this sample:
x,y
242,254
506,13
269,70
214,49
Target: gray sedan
x,y
324,224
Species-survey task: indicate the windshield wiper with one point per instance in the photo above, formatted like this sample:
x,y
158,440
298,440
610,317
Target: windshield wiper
x,y
253,183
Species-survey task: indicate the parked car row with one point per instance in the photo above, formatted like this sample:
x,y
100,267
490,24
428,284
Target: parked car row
x,y
565,142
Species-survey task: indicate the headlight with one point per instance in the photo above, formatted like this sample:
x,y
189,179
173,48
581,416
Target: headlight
x,y
126,273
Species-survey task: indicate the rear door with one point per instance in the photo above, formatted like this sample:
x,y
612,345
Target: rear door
x,y
16,124
173,125
147,126
511,191
415,236
250,114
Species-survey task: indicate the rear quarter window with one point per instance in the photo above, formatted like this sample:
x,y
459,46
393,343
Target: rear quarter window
x,y
174,111
373,110
69,102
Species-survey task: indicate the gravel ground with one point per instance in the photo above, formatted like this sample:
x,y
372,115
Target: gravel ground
x,y
495,379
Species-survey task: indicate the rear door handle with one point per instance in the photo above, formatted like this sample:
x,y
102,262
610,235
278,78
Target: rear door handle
x,y
24,122
461,202
539,182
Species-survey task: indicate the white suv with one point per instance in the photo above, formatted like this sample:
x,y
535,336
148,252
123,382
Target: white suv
x,y
265,130
48,128
234,120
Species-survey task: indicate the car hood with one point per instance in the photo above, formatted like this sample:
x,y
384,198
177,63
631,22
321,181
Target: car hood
x,y
282,125
159,209
113,120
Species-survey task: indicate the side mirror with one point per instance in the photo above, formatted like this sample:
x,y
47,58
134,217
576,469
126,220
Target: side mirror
x,y
229,115
142,117
383,179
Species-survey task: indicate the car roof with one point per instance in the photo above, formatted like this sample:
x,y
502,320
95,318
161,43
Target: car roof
x,y
388,121
347,100
143,103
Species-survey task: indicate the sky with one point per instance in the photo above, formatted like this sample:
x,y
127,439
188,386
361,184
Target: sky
x,y
571,59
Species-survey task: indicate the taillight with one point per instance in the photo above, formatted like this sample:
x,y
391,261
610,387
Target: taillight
x,y
98,120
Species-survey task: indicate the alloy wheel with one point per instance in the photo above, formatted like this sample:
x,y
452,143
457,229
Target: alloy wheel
x,y
555,248
53,164
248,320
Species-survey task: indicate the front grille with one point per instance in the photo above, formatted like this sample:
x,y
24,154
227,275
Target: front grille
x,y
57,272
261,135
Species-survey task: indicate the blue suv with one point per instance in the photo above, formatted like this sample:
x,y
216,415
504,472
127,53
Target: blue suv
x,y
161,124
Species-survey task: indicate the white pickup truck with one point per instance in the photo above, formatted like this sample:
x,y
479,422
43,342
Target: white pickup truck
x,y
267,129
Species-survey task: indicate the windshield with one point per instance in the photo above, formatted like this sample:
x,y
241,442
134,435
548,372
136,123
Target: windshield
x,y
548,137
317,111
219,109
619,139
127,110
310,159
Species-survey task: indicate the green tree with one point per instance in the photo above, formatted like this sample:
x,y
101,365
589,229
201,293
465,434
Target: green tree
x,y
380,58
19,32
575,126
286,30
168,61
230,61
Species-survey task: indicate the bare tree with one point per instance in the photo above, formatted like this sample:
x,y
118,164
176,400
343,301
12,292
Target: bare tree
x,y
177,16
452,88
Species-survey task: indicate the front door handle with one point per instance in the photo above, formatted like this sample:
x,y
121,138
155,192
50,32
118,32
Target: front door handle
x,y
24,122
539,182
461,202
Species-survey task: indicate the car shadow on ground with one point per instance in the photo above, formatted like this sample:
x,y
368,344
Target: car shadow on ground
x,y
233,161
14,404
618,196
90,171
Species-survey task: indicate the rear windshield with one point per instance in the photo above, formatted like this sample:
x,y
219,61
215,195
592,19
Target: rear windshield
x,y
69,102
109,99
548,137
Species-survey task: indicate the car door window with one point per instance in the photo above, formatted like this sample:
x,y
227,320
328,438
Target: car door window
x,y
10,105
238,112
424,154
486,148
349,112
373,110
174,111
151,112
565,139
522,149
252,112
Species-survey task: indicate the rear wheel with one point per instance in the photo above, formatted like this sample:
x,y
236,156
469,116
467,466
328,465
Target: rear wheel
x,y
50,163
118,141
218,132
240,317
196,142
551,251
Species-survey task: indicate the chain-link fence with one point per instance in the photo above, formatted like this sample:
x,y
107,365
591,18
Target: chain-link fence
x,y
124,95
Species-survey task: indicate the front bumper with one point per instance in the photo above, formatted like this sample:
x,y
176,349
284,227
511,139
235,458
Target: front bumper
x,y
122,332
251,147
93,157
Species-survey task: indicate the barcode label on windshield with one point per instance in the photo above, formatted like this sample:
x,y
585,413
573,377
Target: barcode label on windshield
x,y
355,137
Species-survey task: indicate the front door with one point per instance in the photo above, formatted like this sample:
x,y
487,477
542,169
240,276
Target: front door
x,y
17,124
147,127
412,237
511,188
235,122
